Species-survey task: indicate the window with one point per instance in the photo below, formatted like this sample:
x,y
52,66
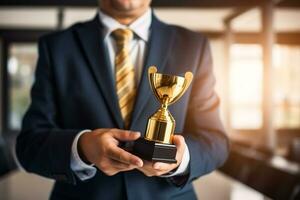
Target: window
x,y
287,86
20,68
246,86
246,73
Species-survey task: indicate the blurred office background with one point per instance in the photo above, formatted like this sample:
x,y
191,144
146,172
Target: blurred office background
x,y
256,52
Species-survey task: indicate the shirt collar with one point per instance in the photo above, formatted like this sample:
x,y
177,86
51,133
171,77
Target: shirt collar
x,y
140,26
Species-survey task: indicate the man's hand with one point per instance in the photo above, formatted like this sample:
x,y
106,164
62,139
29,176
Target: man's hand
x,y
100,147
159,168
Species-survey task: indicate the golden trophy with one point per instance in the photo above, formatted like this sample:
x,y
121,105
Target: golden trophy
x,y
157,144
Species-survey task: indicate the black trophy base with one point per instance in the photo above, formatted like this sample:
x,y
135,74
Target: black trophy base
x,y
154,151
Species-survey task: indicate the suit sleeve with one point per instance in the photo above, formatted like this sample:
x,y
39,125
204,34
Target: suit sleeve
x,y
204,132
42,146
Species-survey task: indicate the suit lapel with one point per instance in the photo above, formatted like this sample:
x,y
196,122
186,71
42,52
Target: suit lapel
x,y
159,47
92,43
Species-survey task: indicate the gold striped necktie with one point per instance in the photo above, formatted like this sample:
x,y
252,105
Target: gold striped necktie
x,y
124,74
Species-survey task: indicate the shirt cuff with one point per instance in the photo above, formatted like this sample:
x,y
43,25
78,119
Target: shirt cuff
x,y
82,170
182,169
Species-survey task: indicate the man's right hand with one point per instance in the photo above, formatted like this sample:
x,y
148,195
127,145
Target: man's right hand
x,y
100,147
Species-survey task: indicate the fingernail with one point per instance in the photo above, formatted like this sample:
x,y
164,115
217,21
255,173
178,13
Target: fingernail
x,y
139,163
138,133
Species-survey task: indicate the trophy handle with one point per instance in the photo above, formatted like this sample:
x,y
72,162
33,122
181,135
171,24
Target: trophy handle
x,y
151,71
188,77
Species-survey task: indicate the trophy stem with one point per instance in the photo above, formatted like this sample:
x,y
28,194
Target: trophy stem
x,y
164,106
165,103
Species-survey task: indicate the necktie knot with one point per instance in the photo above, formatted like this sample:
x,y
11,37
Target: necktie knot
x,y
122,36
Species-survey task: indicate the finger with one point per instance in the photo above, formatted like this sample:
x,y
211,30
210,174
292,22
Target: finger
x,y
100,130
163,166
123,156
148,165
114,170
127,169
111,167
118,165
123,135
146,172
121,166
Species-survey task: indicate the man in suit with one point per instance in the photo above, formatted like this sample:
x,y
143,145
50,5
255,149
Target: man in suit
x,y
91,94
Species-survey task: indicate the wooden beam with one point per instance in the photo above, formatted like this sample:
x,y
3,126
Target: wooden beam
x,y
23,35
267,42
286,38
237,12
291,38
205,3
228,41
289,4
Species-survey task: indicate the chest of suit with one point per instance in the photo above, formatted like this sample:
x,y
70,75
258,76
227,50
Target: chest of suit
x,y
87,96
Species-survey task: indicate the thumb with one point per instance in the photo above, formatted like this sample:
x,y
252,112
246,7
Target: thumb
x,y
123,135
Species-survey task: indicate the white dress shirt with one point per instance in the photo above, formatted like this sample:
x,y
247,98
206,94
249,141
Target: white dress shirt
x,y
137,46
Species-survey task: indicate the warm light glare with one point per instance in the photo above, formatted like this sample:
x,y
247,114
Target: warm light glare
x,y
287,86
246,80
246,86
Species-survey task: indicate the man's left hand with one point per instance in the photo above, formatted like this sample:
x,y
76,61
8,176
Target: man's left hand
x,y
159,168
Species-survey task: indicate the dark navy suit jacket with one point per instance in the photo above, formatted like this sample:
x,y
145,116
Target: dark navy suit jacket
x,y
74,90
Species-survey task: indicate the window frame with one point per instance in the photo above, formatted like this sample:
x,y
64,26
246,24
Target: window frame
x,y
256,136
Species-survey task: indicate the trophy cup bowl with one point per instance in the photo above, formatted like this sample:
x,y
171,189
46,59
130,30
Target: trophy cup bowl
x,y
157,144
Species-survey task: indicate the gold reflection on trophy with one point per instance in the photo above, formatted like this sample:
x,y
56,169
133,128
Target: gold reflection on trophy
x,y
167,89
